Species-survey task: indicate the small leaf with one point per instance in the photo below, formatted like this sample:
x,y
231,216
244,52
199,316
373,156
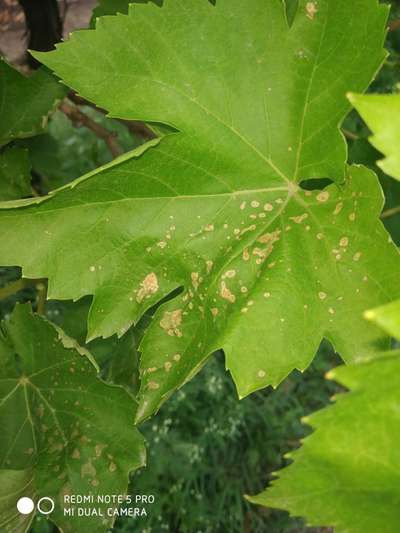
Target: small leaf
x,y
15,174
25,103
60,420
346,474
386,317
382,115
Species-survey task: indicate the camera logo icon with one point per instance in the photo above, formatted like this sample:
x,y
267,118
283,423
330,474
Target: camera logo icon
x,y
26,505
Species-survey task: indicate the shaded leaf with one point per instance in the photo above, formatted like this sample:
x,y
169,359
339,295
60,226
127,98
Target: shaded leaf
x,y
25,103
15,484
59,419
109,7
345,474
15,174
118,358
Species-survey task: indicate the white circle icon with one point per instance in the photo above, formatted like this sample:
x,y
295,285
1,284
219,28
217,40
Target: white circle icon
x,y
25,505
45,511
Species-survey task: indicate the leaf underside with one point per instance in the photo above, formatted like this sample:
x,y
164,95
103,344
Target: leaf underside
x,y
346,474
266,269
15,174
63,430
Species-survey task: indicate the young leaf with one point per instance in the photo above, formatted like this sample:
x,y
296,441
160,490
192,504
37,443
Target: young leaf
x,y
267,269
386,317
25,102
15,174
382,115
75,432
346,474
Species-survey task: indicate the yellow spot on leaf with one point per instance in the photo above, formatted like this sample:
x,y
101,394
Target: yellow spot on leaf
x,y
323,196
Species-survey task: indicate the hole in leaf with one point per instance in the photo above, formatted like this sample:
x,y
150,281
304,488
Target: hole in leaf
x,y
315,184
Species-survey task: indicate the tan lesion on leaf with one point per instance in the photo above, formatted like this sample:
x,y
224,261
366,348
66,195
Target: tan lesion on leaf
x,y
323,197
311,9
171,321
99,449
195,279
76,454
300,218
226,294
148,287
270,238
87,469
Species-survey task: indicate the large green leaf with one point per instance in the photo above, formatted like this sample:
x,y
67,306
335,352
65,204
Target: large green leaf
x,y
25,102
346,474
267,269
15,174
382,115
60,420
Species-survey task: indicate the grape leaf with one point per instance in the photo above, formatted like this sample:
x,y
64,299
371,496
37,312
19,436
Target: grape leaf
x,y
15,174
26,102
346,474
386,317
118,358
15,484
267,269
382,115
109,7
59,419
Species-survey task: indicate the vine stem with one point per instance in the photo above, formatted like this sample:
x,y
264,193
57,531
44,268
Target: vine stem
x,y
78,118
136,127
350,135
394,25
19,285
390,212
41,288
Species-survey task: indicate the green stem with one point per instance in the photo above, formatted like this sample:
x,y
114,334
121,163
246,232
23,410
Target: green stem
x,y
41,297
390,212
18,285
350,135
